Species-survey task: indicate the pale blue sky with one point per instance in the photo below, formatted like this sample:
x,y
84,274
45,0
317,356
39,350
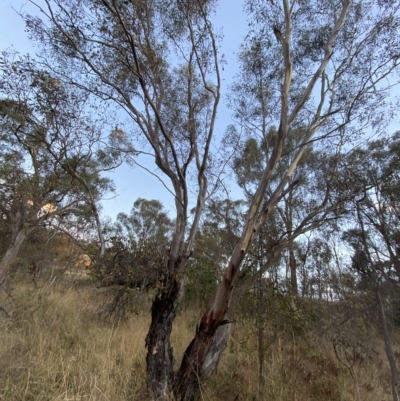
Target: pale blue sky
x,y
134,183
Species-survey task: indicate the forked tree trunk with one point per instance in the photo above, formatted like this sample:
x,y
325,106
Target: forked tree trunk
x,y
163,383
215,323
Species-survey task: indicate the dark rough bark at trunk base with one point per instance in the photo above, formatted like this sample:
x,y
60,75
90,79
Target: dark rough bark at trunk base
x,y
159,352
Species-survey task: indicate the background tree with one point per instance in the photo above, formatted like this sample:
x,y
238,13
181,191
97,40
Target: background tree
x,y
374,239
218,232
48,162
139,245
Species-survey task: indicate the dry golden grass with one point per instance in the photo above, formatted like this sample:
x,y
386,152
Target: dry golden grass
x,y
64,352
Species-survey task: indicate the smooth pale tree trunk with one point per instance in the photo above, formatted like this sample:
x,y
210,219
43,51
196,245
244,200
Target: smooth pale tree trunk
x,y
208,357
202,356
12,252
204,345
217,348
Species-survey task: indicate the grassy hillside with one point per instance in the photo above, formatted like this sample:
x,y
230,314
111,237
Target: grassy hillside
x,y
60,349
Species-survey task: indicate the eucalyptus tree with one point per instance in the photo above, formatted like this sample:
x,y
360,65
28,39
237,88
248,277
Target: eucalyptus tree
x,y
375,236
219,231
147,222
136,248
379,206
48,163
309,190
138,245
322,66
158,60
